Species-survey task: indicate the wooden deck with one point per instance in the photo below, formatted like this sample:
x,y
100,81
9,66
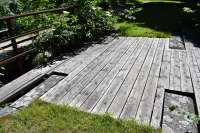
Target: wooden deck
x,y
127,77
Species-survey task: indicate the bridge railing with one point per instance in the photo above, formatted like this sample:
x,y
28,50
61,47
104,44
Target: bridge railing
x,y
10,30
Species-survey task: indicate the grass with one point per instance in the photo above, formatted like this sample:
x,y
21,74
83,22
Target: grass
x,y
135,30
158,18
50,118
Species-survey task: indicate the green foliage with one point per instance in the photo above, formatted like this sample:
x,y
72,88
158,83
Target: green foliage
x,y
11,7
35,5
8,7
40,58
138,30
129,13
58,36
93,19
32,22
42,117
87,22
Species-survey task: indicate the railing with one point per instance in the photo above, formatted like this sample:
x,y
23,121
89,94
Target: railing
x,y
11,31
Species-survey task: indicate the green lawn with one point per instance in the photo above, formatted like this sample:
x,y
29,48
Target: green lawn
x,y
136,30
158,18
41,117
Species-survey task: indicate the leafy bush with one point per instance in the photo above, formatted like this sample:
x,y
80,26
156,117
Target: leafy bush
x,y
8,7
57,37
87,22
92,19
11,7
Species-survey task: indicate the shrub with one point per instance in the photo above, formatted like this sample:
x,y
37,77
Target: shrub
x,y
86,23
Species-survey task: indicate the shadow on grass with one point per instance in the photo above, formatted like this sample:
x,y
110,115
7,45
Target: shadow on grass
x,y
170,17
162,16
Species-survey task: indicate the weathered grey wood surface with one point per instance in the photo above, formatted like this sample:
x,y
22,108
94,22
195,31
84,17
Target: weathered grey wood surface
x,y
10,89
163,83
37,91
147,101
128,78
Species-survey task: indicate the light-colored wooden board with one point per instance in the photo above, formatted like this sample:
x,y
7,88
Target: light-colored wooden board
x,y
37,91
175,77
85,57
191,52
64,86
131,105
146,105
111,61
84,94
186,81
18,84
167,44
93,99
163,83
196,52
194,72
120,98
108,97
15,86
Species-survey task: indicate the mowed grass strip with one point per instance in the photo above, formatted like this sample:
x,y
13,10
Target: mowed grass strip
x,y
136,30
43,117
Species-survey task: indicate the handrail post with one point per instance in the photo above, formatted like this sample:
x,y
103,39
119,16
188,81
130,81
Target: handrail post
x,y
11,31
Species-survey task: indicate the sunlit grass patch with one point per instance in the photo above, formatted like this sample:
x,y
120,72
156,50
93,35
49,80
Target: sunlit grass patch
x,y
43,117
136,30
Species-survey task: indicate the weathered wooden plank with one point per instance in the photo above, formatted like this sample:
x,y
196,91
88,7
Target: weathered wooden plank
x,y
172,71
120,98
93,99
175,77
196,52
64,86
167,44
194,57
186,81
108,97
111,61
37,91
146,105
194,71
84,94
131,106
85,57
15,86
163,83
